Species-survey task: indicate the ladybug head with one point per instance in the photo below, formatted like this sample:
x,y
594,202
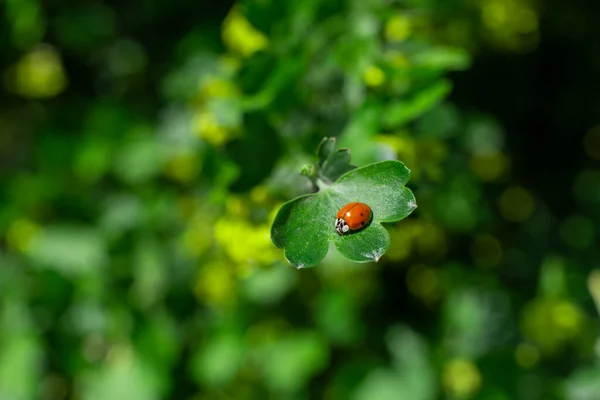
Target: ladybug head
x,y
341,226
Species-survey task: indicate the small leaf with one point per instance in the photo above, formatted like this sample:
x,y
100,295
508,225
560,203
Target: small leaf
x,y
283,74
331,164
304,227
325,149
301,229
402,111
449,58
336,165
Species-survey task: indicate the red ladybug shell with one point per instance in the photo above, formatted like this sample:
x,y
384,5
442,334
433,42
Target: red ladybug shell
x,y
355,215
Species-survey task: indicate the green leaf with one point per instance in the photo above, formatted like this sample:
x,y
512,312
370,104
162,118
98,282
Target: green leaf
x,y
325,149
284,73
301,230
402,111
449,58
336,165
332,163
305,227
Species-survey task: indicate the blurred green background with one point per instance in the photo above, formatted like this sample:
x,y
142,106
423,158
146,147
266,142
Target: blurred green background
x,y
145,147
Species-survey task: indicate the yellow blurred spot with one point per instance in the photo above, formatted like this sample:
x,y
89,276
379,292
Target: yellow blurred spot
x,y
21,233
488,166
516,204
216,285
527,355
551,323
39,74
461,378
512,23
424,283
567,317
495,13
398,29
236,206
240,36
258,194
183,167
373,76
591,143
205,124
486,251
245,243
218,87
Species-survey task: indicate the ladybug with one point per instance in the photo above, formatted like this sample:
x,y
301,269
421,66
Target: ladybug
x,y
352,217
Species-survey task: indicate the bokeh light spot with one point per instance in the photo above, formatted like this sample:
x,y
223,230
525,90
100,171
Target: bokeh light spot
x,y
567,317
216,285
461,378
39,74
551,323
486,251
398,28
21,233
527,355
488,166
183,167
374,76
207,126
240,36
516,204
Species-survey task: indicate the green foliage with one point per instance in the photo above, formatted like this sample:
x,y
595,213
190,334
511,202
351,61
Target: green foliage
x,y
147,151
304,227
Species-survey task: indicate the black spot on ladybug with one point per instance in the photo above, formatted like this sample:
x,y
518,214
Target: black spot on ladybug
x,y
362,223
362,215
